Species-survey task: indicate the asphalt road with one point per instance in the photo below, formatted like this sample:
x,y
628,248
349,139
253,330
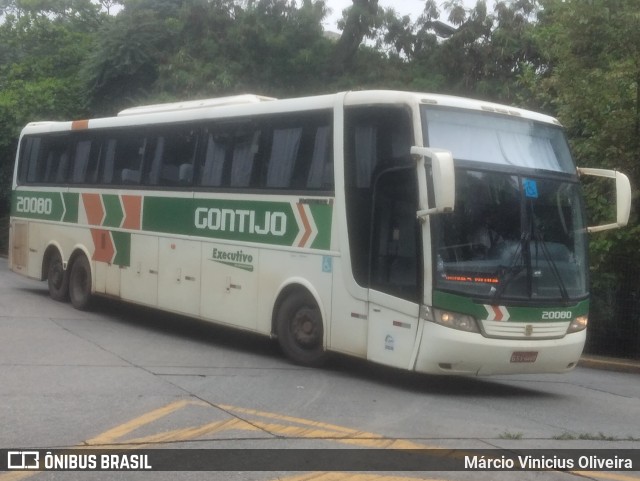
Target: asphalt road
x,y
125,377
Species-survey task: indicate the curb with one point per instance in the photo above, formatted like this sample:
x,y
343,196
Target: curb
x,y
610,364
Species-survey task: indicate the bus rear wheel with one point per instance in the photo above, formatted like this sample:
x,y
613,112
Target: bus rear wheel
x,y
300,331
80,283
57,278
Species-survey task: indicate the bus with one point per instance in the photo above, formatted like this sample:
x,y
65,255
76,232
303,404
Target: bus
x,y
430,233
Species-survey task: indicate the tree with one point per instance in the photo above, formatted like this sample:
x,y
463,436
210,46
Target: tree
x,y
473,53
359,22
125,58
591,79
206,48
43,45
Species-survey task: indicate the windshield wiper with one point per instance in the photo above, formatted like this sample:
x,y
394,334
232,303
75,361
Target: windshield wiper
x,y
554,267
511,272
524,254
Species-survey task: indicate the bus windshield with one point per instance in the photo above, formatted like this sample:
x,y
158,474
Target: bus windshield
x,y
516,233
512,237
498,139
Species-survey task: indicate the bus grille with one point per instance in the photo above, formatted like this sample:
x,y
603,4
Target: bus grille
x,y
524,330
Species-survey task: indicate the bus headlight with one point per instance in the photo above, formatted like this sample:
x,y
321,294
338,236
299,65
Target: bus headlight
x,y
455,320
578,324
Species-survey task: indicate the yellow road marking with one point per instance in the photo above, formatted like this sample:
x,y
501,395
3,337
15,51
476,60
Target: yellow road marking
x,y
284,417
357,438
110,436
605,475
337,476
298,427
16,475
326,430
187,434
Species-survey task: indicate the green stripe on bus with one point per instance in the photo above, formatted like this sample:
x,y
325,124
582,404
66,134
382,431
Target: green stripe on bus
x,y
122,244
52,206
37,205
265,222
113,210
322,215
71,207
455,303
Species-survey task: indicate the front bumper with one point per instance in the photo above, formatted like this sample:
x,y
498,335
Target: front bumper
x,y
449,351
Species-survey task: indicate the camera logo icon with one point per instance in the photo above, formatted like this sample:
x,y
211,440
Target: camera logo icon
x,y
23,460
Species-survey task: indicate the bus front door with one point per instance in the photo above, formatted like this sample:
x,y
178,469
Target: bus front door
x,y
395,268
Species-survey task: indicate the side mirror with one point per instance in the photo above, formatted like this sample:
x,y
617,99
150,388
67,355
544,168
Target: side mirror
x,y
444,180
623,196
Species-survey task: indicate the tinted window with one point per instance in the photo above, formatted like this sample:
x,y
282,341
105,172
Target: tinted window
x,y
173,158
46,160
283,152
230,156
86,161
377,139
123,158
301,156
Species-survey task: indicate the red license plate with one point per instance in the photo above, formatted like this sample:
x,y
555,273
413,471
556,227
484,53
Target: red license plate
x,y
524,356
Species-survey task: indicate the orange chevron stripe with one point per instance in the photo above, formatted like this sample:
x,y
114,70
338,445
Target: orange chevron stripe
x,y
104,249
132,211
307,226
94,209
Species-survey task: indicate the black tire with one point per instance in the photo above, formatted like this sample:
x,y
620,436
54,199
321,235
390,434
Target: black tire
x,y
80,283
57,278
300,330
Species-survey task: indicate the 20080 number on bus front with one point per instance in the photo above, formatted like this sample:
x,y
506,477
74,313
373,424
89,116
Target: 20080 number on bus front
x,y
559,315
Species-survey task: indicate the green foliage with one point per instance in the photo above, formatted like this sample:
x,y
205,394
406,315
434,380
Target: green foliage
x,y
594,51
43,44
590,79
124,59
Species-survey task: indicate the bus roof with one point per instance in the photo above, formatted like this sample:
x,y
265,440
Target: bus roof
x,y
195,104
250,104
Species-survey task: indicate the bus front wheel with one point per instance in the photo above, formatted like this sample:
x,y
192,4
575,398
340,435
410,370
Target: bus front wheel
x,y
80,283
299,328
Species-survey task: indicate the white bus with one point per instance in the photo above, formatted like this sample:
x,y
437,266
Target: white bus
x,y
426,232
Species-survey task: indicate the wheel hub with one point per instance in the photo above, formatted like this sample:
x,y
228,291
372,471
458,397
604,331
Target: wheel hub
x,y
305,328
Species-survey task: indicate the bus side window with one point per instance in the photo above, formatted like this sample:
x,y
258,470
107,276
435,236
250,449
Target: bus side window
x,y
123,158
173,158
181,155
81,161
284,153
108,162
366,153
376,138
320,174
86,161
153,167
54,160
245,149
62,168
300,153
214,160
29,159
395,236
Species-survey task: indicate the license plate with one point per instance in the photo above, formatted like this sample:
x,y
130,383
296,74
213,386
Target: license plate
x,y
524,356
